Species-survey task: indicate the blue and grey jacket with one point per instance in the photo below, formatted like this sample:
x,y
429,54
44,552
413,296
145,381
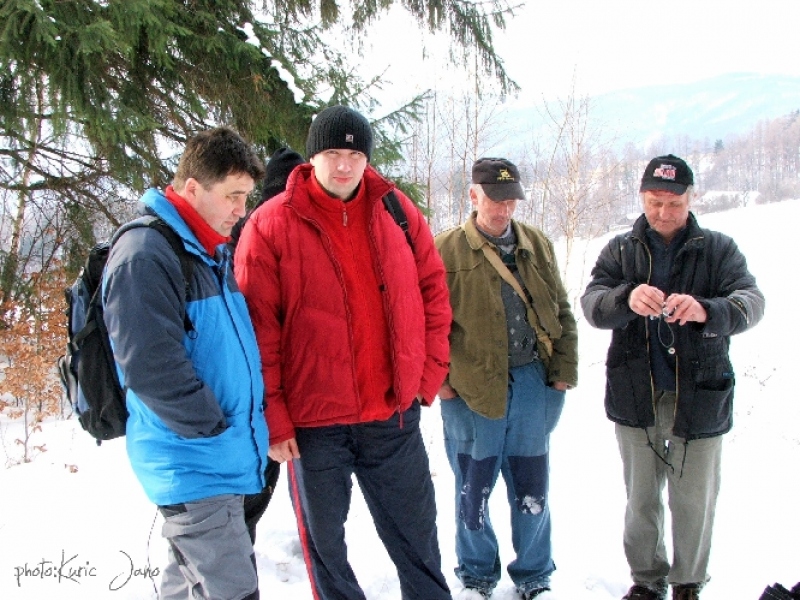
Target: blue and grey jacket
x,y
196,427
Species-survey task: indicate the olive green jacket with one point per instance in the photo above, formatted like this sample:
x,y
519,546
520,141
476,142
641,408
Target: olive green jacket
x,y
478,335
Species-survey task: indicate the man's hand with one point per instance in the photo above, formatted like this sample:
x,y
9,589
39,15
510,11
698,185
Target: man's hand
x,y
561,386
683,308
647,301
446,392
284,451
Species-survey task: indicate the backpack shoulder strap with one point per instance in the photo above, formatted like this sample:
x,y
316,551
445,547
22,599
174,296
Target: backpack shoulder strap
x,y
186,260
392,204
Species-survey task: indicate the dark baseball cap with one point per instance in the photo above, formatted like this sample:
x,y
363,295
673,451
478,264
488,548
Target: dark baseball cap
x,y
499,179
668,173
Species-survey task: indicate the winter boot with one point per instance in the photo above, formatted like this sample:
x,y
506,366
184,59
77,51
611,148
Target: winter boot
x,y
641,592
795,591
777,592
531,594
686,591
470,593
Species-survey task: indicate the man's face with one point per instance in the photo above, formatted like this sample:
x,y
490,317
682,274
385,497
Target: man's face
x,y
666,212
339,171
222,204
493,217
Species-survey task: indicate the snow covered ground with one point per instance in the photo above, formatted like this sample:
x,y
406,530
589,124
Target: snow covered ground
x,y
74,522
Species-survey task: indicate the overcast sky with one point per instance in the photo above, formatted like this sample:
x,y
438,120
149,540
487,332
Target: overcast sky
x,y
610,45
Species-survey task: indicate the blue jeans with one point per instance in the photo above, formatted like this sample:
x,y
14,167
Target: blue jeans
x,y
516,445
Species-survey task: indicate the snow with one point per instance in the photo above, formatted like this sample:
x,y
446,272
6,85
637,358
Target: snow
x,y
79,505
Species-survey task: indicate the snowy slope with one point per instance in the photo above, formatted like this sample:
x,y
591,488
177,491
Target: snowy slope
x,y
96,525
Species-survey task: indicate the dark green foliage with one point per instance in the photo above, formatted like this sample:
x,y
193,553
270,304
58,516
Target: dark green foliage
x,y
97,97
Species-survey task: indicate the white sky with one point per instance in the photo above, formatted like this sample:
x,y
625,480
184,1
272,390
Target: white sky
x,y
610,45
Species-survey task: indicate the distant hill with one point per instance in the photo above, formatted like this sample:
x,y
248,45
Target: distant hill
x,y
711,108
708,109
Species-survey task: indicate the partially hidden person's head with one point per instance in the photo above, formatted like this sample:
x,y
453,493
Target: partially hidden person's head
x,y
276,174
280,165
666,189
494,193
339,146
216,173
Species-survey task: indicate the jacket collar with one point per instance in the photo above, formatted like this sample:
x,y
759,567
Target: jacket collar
x,y
155,202
475,238
694,234
297,195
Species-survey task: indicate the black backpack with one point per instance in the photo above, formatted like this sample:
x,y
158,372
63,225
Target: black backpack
x,y
395,209
87,369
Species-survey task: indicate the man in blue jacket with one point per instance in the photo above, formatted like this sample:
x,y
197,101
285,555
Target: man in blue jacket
x,y
196,434
673,294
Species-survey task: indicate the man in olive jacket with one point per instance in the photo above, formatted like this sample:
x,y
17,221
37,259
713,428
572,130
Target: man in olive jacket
x,y
673,294
512,357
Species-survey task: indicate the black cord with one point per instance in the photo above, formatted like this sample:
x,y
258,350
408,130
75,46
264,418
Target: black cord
x,y
653,448
149,538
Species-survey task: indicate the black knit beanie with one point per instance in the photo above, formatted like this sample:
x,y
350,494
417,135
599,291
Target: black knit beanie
x,y
280,164
339,127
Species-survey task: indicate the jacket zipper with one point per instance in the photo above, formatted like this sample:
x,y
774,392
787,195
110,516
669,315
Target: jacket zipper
x,y
647,328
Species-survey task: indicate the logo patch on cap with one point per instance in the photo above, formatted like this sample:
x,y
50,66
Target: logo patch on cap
x,y
348,137
665,172
504,175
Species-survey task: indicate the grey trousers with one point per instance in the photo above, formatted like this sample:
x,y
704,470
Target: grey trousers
x,y
210,555
693,478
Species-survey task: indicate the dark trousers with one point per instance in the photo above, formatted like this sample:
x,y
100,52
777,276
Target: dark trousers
x,y
391,466
256,504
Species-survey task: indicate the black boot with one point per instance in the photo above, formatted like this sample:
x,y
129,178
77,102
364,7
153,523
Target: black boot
x,y
777,592
686,591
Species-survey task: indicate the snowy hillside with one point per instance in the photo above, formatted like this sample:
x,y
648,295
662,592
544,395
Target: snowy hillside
x,y
74,523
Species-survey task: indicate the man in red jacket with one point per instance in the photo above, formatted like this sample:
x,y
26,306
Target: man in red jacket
x,y
352,322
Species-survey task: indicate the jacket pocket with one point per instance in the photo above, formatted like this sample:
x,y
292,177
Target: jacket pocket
x,y
711,410
711,407
628,391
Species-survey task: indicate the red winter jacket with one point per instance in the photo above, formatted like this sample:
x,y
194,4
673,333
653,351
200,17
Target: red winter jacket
x,y
294,290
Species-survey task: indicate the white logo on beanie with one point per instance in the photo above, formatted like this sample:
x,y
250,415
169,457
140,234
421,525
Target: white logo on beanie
x,y
348,137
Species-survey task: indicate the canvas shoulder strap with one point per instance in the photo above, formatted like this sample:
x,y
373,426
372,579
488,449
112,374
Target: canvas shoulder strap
x,y
533,319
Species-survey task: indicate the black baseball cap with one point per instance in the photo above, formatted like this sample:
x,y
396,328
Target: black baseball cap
x,y
668,173
499,179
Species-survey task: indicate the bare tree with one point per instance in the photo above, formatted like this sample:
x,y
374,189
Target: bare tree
x,y
573,164
456,129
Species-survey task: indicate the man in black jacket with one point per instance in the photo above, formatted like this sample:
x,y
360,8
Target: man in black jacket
x,y
673,294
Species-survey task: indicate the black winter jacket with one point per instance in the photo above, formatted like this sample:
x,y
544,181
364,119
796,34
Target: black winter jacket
x,y
709,267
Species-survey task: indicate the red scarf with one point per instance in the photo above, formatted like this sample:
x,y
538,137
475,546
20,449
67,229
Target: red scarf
x,y
209,238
